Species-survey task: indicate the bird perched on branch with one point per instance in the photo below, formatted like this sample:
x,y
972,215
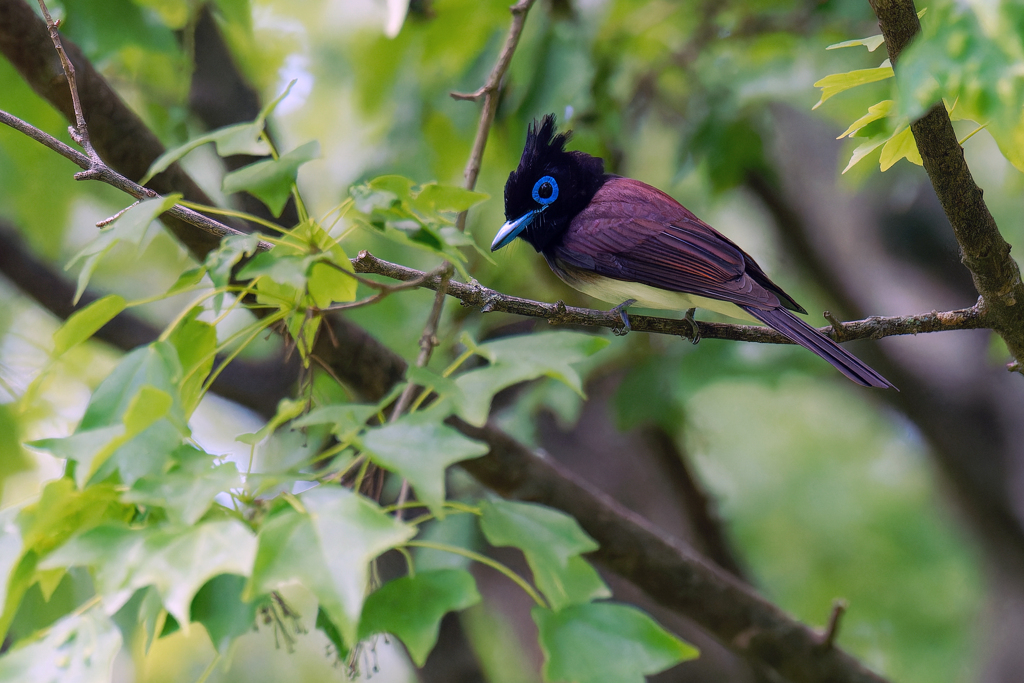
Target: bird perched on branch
x,y
620,240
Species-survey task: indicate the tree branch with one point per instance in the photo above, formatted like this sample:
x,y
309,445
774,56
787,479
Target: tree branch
x,y
96,169
117,133
489,300
701,513
489,92
983,249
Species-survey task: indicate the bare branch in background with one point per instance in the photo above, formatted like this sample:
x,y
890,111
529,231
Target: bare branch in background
x,y
489,93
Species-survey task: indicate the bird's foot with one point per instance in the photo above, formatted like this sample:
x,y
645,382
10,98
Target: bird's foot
x,y
695,331
623,316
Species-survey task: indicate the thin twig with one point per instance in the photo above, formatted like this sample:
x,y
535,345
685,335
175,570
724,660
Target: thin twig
x,y
80,131
93,167
428,341
103,173
489,93
828,638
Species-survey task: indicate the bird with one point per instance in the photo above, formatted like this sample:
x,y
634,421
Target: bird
x,y
620,240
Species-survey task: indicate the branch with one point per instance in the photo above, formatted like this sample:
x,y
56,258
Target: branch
x,y
701,513
875,327
488,300
983,249
117,133
79,132
96,169
489,92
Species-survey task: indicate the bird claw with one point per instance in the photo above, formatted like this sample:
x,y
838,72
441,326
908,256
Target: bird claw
x,y
694,329
623,316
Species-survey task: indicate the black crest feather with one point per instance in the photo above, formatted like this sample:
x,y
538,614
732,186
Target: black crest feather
x,y
541,141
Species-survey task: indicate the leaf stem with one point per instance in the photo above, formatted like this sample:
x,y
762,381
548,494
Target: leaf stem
x,y
483,559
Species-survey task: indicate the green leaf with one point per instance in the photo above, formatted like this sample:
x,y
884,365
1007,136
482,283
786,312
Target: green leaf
x,y
220,261
411,608
865,149
146,407
875,112
80,648
196,343
219,607
187,280
239,138
327,285
600,642
287,409
328,551
900,145
420,448
871,43
347,419
434,198
12,456
10,555
837,83
324,624
133,421
384,191
129,227
552,542
518,359
414,217
84,323
271,181
156,365
177,561
88,448
63,510
188,489
282,268
424,377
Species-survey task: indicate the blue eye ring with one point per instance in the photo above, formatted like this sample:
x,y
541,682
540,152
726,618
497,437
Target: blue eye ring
x,y
552,184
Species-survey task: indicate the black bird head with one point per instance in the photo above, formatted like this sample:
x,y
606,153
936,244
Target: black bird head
x,y
549,187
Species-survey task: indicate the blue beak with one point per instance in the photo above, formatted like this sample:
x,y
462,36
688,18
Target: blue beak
x,y
511,229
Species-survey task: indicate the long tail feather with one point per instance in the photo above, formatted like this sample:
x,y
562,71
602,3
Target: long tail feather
x,y
797,331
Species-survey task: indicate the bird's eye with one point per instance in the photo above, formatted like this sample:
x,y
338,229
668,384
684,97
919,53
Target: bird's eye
x,y
545,190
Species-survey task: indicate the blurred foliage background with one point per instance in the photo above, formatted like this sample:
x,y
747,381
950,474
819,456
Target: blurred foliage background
x,y
826,490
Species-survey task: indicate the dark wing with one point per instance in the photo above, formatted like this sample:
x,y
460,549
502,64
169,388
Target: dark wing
x,y
632,231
